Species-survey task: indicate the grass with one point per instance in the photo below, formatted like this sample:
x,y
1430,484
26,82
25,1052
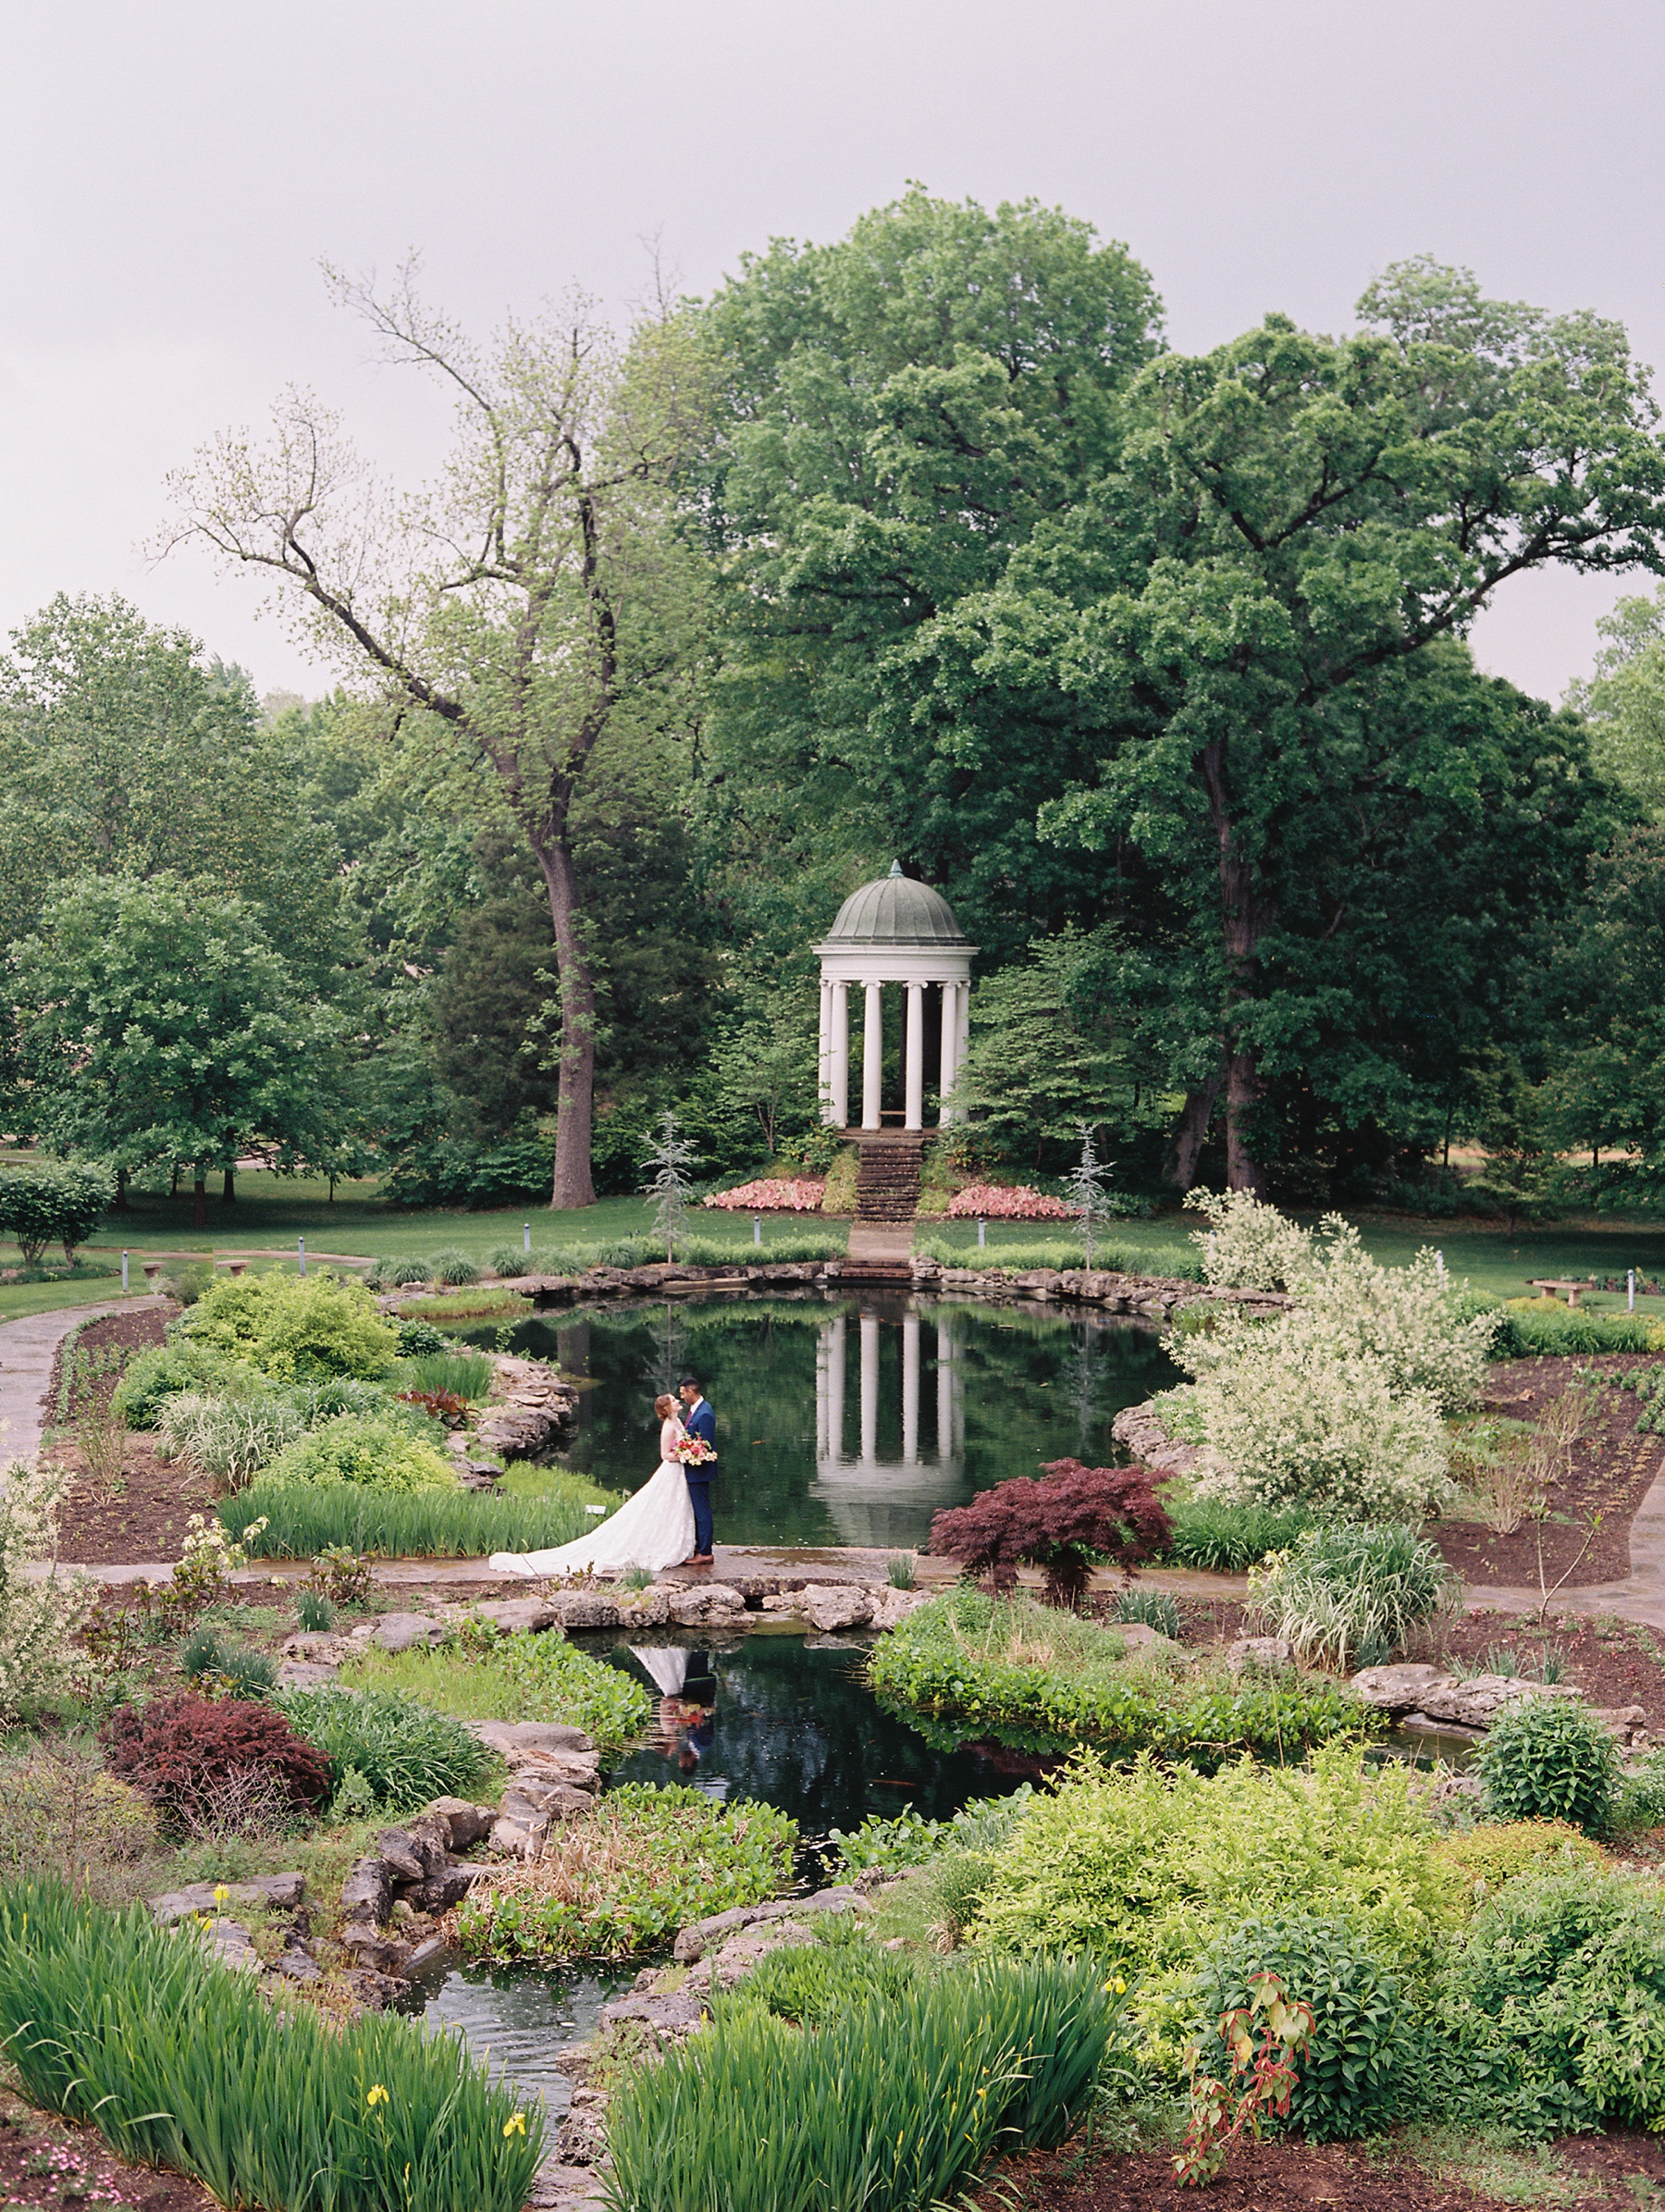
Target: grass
x,y
624,1879
304,1517
177,2063
519,1677
892,2106
408,1753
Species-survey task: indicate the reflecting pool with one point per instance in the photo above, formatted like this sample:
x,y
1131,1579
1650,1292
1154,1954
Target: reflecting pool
x,y
849,1419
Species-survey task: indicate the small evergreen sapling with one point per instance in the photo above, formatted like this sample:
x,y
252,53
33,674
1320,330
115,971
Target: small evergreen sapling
x,y
1089,1194
668,1160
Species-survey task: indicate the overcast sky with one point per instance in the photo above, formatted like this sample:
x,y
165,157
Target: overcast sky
x,y
170,175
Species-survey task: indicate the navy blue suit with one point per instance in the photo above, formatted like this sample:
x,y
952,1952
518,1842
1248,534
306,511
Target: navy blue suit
x,y
700,1421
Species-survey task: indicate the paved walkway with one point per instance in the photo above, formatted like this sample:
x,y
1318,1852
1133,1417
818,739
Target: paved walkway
x,y
28,1347
882,1240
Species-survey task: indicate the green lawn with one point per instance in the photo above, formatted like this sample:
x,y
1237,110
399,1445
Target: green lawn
x,y
272,1211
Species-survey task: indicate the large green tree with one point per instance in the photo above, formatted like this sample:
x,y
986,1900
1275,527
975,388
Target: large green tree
x,y
157,1025
1625,698
125,750
533,608
1179,687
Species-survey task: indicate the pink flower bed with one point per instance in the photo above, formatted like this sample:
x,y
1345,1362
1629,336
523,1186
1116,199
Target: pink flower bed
x,y
996,1202
774,1194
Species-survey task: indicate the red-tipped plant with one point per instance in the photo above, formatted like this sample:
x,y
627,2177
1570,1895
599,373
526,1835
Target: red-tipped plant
x,y
1078,1514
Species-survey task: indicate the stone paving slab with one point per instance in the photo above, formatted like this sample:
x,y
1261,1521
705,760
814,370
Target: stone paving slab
x,y
28,1347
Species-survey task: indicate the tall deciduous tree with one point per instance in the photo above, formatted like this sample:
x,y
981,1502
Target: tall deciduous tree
x,y
534,603
1624,699
158,1025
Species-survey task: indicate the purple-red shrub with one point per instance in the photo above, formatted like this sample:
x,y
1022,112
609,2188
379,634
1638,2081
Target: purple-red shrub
x,y
1058,1523
183,1752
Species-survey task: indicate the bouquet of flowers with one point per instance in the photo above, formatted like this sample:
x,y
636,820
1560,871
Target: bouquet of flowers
x,y
692,1451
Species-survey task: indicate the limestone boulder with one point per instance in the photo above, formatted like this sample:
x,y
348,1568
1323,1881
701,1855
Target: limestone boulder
x,y
285,1891
466,1824
892,1607
405,1631
303,1674
514,1613
831,1607
704,1604
512,1739
367,1891
1253,1651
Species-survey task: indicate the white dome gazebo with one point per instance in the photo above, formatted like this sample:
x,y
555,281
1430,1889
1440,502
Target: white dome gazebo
x,y
891,930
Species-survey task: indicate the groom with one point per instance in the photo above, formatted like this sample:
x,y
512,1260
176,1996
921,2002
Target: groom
x,y
699,1420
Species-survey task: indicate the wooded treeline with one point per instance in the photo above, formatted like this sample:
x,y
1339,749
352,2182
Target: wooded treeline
x,y
922,545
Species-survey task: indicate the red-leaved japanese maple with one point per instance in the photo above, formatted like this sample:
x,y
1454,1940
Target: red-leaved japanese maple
x,y
1059,1523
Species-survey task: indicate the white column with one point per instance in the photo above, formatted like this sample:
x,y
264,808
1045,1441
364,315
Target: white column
x,y
910,1390
835,1382
950,1036
869,1387
962,992
873,1057
841,1056
945,1394
823,1064
823,1352
913,1059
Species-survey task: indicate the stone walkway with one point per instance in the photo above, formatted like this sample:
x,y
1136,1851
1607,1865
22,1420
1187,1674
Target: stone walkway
x,y
28,1347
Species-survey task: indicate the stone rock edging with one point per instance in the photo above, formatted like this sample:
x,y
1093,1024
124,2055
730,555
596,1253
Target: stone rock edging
x,y
1423,1698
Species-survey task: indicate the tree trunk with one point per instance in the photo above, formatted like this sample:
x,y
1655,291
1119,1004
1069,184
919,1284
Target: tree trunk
x,y
199,1199
576,1089
1192,1133
173,1187
1245,916
228,1194
122,1204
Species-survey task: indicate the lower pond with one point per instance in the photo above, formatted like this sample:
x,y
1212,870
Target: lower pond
x,y
851,1419
776,1717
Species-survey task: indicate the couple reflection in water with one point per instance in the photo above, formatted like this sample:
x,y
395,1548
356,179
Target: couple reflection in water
x,y
687,1708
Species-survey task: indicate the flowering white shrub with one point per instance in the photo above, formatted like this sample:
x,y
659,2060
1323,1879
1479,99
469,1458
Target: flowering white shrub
x,y
1248,1245
38,1613
1339,1401
1305,1423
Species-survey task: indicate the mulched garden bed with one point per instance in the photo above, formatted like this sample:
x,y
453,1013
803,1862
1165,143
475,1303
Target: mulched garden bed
x,y
143,1519
1614,1662
1611,1471
49,2163
1620,2168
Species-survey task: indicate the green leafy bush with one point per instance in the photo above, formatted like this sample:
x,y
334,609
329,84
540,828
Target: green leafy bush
x,y
300,1328
376,1454
1546,1759
1531,1331
643,1864
1359,2070
417,1339
978,1663
54,1202
1553,2010
137,2030
903,1839
1345,1594
163,1371
1148,1867
892,2106
305,1518
485,1676
408,1753
40,1613
1220,1538
1057,1254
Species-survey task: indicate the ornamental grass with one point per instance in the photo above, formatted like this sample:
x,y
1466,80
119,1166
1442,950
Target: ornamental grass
x,y
890,2107
524,1676
180,2062
304,1518
626,1877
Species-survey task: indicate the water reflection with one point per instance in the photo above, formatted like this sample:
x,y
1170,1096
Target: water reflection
x,y
517,2019
792,1723
850,1420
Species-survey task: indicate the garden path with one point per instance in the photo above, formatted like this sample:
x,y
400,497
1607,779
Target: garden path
x,y
1639,1596
28,1347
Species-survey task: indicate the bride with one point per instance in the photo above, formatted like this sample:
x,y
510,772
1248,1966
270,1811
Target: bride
x,y
653,1529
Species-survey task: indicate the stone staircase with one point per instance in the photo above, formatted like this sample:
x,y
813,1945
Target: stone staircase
x,y
887,1179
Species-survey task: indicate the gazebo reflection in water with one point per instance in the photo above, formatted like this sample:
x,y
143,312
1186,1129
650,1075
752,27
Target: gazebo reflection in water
x,y
885,1500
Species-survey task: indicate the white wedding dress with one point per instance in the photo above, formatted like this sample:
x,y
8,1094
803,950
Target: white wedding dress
x,y
653,1529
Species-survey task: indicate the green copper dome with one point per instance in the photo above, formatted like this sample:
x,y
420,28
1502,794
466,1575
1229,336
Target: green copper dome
x,y
896,911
